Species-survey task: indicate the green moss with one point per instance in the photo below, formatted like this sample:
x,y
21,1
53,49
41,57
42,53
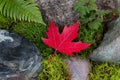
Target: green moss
x,y
105,71
3,25
91,36
54,70
33,32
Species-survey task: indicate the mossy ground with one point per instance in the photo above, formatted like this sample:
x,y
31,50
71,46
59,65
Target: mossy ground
x,y
57,69
54,68
105,71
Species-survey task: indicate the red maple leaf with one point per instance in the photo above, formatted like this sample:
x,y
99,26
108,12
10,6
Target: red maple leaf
x,y
63,41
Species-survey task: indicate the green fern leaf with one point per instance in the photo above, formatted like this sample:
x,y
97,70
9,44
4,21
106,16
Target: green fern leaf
x,y
21,10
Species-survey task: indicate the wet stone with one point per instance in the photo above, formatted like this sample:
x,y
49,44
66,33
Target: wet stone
x,y
19,58
109,49
79,68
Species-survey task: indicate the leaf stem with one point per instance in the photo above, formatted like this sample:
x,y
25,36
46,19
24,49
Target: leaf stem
x,y
55,52
51,57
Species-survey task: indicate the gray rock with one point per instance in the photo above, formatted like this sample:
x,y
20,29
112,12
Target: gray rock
x,y
109,49
79,69
19,58
59,11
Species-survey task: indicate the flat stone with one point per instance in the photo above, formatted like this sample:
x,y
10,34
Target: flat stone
x,y
19,58
109,49
79,69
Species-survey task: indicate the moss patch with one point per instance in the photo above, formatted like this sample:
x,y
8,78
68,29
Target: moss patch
x,y
55,70
33,32
91,36
105,71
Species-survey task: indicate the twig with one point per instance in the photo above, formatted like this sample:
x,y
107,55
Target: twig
x,y
106,6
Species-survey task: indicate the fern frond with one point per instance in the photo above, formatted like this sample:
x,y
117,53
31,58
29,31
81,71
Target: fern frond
x,y
21,10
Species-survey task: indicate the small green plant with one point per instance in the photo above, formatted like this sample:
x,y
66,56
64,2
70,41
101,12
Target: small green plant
x,y
21,10
91,20
90,16
56,70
